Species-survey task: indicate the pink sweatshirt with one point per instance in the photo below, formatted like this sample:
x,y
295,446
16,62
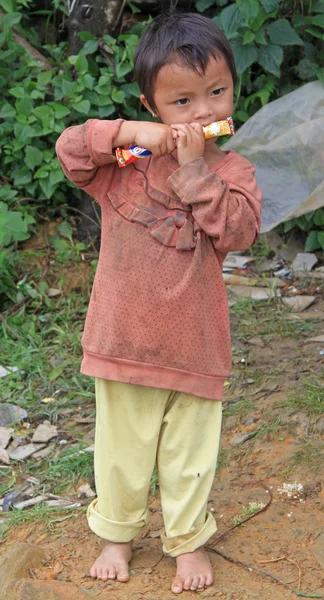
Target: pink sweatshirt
x,y
158,313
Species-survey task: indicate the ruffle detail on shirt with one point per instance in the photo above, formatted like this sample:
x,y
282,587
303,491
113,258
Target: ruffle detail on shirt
x,y
170,230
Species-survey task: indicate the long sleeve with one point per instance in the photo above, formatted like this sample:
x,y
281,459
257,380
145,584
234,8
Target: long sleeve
x,y
227,207
85,153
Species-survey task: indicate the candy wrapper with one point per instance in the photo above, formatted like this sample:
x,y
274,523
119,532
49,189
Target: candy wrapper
x,y
126,156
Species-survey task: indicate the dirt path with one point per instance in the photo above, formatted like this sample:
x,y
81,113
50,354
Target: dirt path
x,y
272,436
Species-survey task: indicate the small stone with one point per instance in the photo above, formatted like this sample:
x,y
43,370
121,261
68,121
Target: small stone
x,y
319,339
298,303
5,436
44,433
52,292
16,562
239,438
10,414
85,491
249,421
23,452
148,571
291,519
256,341
304,261
7,371
44,453
4,457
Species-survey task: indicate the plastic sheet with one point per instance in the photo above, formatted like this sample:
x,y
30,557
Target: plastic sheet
x,y
285,142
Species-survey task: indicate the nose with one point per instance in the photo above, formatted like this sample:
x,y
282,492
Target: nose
x,y
203,112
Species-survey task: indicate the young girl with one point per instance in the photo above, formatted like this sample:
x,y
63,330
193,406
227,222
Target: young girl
x,y
156,338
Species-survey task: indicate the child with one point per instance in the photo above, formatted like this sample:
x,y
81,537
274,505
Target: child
x,y
156,337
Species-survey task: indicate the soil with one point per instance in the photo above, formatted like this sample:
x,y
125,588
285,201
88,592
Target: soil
x,y
285,446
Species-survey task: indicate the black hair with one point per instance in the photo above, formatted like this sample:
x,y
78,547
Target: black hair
x,y
189,37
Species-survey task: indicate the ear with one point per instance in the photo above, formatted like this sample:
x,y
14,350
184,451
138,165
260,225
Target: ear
x,y
147,106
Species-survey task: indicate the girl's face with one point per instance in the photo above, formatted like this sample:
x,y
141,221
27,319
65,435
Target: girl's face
x,y
182,95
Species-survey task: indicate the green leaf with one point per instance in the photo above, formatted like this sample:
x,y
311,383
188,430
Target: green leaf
x,y
315,32
56,176
60,110
312,242
306,69
12,226
24,106
134,8
202,5
244,56
270,58
320,237
270,5
45,77
316,20
7,111
9,20
85,36
318,6
123,68
248,8
132,89
248,37
118,96
18,92
83,107
260,37
42,112
22,177
90,47
81,64
47,187
7,5
41,173
65,230
319,217
230,19
282,34
34,157
106,111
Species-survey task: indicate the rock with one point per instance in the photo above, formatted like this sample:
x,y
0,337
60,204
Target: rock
x,y
23,452
7,371
298,303
240,438
249,421
4,457
290,250
44,453
148,571
304,261
30,502
30,589
230,279
44,432
16,562
273,240
320,425
10,414
230,422
256,341
5,436
235,261
318,339
85,491
52,292
255,293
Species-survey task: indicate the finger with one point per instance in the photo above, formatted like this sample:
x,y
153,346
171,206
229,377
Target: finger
x,y
197,128
170,143
182,140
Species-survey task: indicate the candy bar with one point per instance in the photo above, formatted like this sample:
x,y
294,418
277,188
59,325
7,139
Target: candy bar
x,y
126,156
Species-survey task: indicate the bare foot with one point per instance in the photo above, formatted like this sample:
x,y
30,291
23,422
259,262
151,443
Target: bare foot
x,y
113,562
194,572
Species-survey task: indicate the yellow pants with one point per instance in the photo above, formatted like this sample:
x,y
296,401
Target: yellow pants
x,y
136,427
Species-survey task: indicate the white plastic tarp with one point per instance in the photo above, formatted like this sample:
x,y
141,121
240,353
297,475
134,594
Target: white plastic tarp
x,y
284,140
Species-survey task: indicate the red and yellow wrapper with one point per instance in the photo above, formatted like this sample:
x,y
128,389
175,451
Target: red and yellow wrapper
x,y
126,156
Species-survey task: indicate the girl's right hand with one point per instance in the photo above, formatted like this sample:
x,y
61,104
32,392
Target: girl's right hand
x,y
156,137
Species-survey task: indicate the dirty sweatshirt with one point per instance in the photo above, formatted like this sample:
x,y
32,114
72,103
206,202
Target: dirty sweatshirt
x,y
158,313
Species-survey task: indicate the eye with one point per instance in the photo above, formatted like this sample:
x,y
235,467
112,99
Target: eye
x,y
182,101
218,92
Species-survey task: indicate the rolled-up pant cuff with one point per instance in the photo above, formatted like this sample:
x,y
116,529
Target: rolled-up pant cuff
x,y
114,531
180,544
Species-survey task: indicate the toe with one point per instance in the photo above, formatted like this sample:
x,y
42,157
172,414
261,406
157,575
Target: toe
x,y
209,580
177,585
202,582
187,582
93,572
112,573
122,575
195,582
104,575
99,573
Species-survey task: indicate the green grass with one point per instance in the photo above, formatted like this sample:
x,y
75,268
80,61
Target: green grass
x,y
36,514
310,399
264,318
311,454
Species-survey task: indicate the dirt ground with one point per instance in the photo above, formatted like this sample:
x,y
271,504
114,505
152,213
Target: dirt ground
x,y
267,443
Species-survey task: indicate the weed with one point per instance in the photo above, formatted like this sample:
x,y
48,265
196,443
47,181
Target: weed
x,y
37,514
253,508
310,399
267,318
311,454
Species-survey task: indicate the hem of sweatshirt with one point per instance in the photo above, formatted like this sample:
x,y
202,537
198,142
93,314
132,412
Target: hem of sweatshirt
x,y
166,378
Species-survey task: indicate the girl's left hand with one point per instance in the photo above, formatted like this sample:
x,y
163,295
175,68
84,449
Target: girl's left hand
x,y
190,142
